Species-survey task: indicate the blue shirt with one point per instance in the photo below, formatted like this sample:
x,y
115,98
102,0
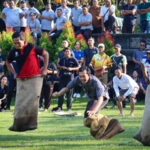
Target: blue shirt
x,y
47,24
129,19
75,13
78,54
12,16
23,21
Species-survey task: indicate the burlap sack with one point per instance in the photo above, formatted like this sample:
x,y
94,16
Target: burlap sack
x,y
102,127
143,135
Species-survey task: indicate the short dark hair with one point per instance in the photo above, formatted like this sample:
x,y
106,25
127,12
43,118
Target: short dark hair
x,y
84,6
67,49
75,1
143,41
18,34
85,68
31,3
118,67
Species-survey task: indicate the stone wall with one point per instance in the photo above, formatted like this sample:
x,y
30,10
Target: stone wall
x,y
130,42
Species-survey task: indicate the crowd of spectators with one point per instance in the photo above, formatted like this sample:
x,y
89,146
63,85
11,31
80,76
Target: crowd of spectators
x,y
85,20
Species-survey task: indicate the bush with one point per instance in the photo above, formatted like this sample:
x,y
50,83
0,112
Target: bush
x,y
108,41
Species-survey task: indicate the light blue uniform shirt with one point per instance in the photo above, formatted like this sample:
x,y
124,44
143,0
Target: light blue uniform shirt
x,y
12,16
47,24
75,13
34,24
34,10
86,18
60,22
23,21
66,11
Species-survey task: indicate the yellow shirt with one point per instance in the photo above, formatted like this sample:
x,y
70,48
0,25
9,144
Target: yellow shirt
x,y
99,61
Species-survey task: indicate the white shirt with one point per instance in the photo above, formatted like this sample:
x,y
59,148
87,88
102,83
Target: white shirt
x,y
104,10
126,82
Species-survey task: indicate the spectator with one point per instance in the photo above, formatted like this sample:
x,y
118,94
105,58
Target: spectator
x,y
31,8
124,86
3,93
2,25
96,17
118,59
90,52
78,53
66,11
61,20
2,59
101,63
5,4
35,28
141,82
138,55
108,16
75,13
128,11
23,21
85,21
67,65
12,16
143,10
11,86
47,19
48,86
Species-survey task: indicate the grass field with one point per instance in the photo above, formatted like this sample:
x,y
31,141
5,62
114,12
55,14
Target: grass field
x,y
68,133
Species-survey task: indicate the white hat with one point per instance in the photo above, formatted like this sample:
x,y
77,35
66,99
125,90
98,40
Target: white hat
x,y
101,45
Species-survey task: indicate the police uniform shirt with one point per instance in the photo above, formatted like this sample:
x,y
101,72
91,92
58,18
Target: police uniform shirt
x,y
71,62
88,54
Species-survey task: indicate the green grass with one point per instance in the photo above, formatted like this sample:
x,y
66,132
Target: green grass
x,y
65,133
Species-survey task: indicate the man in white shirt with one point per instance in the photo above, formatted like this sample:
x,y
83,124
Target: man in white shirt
x,y
124,86
108,16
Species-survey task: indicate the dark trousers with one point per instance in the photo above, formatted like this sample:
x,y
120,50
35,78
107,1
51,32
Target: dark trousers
x,y
76,28
3,104
46,93
127,28
110,24
97,30
86,33
22,29
63,83
11,91
56,35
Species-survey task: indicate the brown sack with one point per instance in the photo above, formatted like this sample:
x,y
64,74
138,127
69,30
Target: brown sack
x,y
102,127
143,135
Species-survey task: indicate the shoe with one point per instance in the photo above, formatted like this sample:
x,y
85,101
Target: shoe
x,y
84,96
78,96
69,109
75,95
2,110
41,108
45,110
7,108
56,109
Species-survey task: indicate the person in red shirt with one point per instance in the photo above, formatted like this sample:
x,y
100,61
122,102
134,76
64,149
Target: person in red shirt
x,y
29,81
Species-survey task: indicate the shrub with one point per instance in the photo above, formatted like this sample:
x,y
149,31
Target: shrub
x,y
108,41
